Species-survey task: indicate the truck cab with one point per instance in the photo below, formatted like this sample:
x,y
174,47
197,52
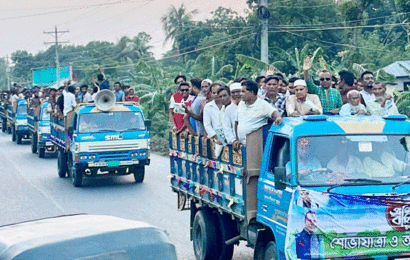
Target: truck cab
x,y
93,143
17,116
39,126
314,187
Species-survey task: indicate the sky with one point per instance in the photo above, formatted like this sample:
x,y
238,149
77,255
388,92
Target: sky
x,y
23,22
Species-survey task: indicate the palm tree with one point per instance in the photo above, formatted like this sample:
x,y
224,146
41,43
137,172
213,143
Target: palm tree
x,y
175,22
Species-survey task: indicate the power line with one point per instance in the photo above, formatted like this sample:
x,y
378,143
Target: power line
x,y
174,56
71,6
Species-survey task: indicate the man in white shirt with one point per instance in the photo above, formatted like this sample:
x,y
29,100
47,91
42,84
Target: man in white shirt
x,y
84,96
212,111
353,107
367,93
230,113
69,99
253,112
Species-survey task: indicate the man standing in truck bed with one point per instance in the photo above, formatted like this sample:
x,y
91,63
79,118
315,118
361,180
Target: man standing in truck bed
x,y
253,112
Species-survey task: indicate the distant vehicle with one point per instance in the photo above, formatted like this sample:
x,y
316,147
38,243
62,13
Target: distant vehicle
x,y
86,237
101,139
314,187
17,116
3,115
39,126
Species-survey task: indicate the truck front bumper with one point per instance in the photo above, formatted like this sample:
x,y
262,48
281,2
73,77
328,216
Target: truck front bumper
x,y
114,164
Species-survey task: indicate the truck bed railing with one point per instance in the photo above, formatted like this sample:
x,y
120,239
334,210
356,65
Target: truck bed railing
x,y
227,182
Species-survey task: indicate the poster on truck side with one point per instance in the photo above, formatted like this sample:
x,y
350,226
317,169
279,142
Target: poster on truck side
x,y
330,225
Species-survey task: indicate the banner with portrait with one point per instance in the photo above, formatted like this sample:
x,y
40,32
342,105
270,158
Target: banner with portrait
x,y
329,225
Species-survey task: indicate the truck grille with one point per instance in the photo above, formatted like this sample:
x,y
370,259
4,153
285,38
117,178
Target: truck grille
x,y
111,146
116,156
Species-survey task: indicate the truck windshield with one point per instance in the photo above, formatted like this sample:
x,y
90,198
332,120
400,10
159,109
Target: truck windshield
x,y
45,115
111,122
352,159
22,109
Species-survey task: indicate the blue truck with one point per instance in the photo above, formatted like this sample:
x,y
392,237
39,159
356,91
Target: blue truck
x,y
314,187
39,126
17,119
105,138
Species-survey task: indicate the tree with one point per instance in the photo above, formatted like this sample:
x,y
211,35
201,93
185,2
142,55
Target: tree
x,y
177,22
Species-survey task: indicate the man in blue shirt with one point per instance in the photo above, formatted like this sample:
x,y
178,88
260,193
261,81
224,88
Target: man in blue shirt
x,y
119,94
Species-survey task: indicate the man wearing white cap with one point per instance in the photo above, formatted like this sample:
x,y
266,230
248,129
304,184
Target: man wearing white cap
x,y
230,113
303,103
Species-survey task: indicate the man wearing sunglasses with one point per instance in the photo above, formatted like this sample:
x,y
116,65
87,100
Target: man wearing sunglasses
x,y
329,97
179,101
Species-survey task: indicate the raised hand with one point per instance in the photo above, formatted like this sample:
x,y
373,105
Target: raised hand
x,y
270,70
307,63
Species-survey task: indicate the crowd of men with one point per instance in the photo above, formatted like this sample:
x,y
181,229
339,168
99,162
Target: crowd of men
x,y
228,114
66,97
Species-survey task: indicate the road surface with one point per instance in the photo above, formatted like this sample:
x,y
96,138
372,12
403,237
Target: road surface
x,y
31,189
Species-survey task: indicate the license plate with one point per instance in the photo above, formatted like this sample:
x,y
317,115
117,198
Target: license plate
x,y
113,163
127,162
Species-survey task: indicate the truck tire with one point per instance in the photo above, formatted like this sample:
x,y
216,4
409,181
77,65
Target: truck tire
x,y
227,230
9,130
265,249
204,235
76,174
34,143
42,152
19,137
139,173
62,158
13,135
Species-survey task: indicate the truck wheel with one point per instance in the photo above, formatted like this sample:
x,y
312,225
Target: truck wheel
x,y
77,175
227,230
18,138
204,236
4,126
139,174
9,130
62,163
42,152
13,135
34,143
265,250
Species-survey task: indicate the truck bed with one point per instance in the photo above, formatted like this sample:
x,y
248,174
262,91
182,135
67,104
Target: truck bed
x,y
227,182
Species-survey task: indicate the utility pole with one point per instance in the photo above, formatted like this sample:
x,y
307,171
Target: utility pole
x,y
56,43
8,72
264,14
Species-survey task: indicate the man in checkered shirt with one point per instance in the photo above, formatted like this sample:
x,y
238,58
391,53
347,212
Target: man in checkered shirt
x,y
329,97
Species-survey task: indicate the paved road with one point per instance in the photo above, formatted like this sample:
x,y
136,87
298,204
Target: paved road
x,y
31,189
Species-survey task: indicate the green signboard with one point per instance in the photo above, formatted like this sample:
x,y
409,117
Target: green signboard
x,y
48,76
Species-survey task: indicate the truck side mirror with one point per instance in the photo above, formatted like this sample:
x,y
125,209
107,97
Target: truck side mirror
x,y
148,123
71,130
280,178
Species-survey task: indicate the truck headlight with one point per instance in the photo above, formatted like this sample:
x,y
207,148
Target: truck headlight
x,y
91,157
143,154
134,154
83,157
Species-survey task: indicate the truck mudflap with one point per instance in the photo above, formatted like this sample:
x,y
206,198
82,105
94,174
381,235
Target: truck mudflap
x,y
329,225
197,173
